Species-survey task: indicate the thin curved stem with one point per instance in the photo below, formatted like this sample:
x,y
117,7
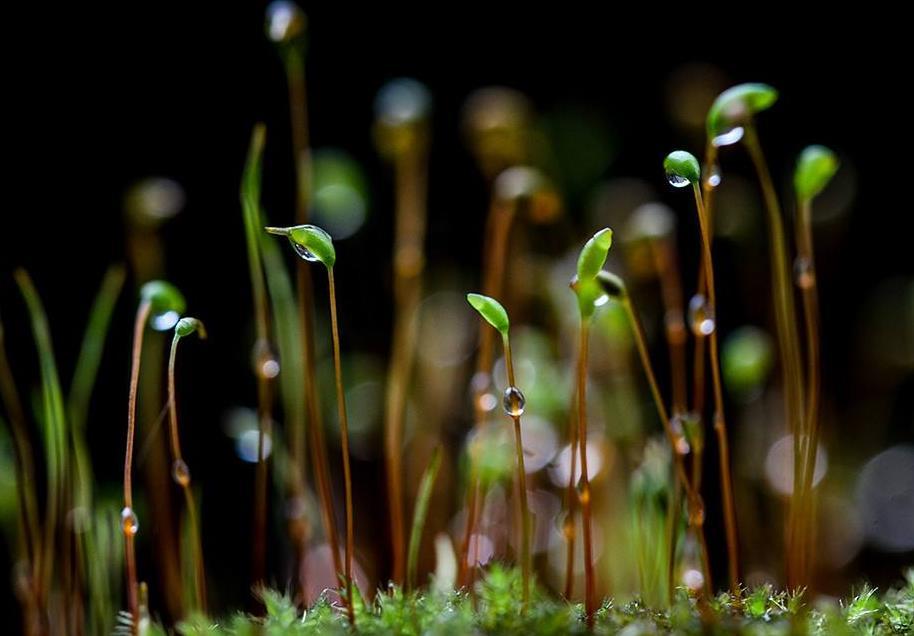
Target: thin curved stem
x,y
183,479
344,443
808,285
409,261
569,527
785,322
142,316
590,596
720,426
423,496
521,484
498,232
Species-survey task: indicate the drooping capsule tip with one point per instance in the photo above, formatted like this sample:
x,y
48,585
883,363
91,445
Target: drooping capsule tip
x,y
682,169
278,231
816,166
188,325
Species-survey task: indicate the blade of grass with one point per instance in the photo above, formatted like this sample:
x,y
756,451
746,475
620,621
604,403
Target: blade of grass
x,y
54,423
423,496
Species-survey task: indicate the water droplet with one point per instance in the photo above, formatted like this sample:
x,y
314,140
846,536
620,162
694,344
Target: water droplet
x,y
713,178
804,273
676,180
729,137
701,316
129,522
180,473
266,364
164,321
304,252
514,402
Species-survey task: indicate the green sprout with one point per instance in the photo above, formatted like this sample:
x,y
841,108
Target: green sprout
x,y
180,470
514,402
730,120
681,165
313,244
590,295
733,110
160,303
815,168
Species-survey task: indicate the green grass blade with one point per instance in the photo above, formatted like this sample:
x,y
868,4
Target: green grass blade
x,y
54,419
421,510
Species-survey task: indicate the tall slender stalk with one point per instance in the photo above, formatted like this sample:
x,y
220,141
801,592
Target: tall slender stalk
x,y
344,443
264,365
180,471
720,426
788,341
129,524
569,528
514,406
401,133
590,598
815,168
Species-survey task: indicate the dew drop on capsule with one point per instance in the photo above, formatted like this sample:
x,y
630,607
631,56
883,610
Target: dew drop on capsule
x,y
804,274
701,317
729,136
180,473
677,180
304,252
129,522
164,321
514,402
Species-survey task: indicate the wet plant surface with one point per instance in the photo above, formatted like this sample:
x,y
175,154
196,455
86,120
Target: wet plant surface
x,y
677,403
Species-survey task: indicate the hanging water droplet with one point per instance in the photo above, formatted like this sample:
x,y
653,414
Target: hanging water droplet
x,y
701,316
713,178
729,137
304,252
266,364
514,402
677,180
804,273
180,473
164,321
129,522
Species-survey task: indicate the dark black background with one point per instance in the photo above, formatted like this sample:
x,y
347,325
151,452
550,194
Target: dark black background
x,y
102,96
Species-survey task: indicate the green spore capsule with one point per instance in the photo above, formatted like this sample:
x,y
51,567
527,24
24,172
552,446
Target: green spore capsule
x,y
734,108
310,242
682,169
187,326
816,166
166,304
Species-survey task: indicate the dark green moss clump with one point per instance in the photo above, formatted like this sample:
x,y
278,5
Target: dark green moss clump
x,y
763,611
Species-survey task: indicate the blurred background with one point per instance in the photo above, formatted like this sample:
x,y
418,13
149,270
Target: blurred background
x,y
103,99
